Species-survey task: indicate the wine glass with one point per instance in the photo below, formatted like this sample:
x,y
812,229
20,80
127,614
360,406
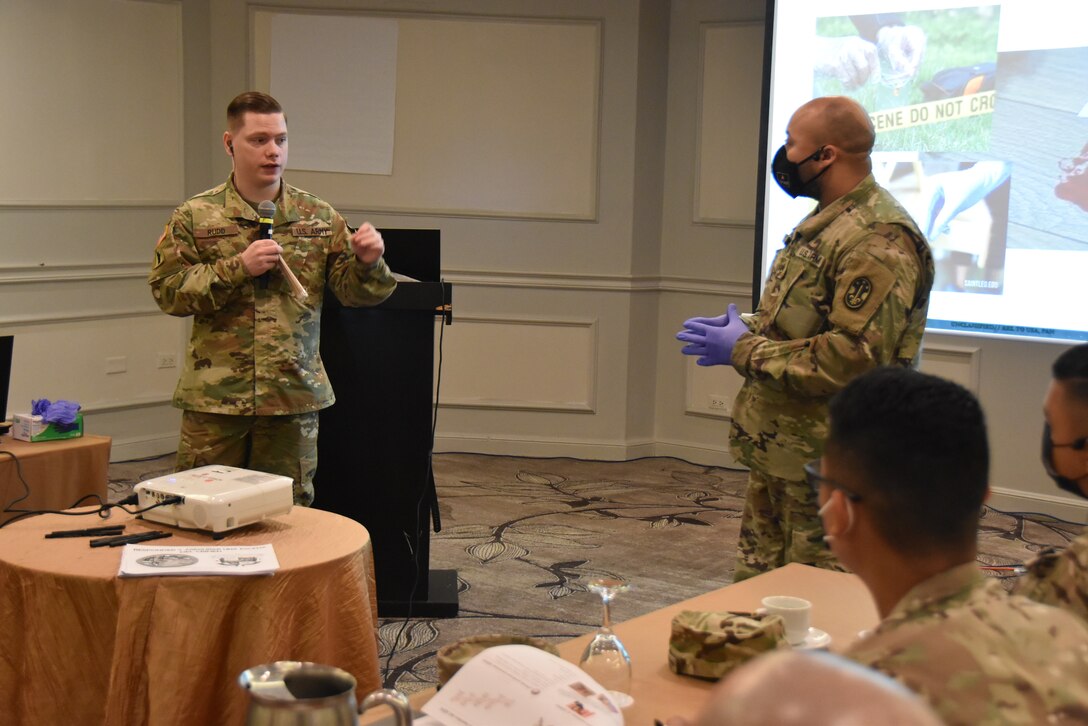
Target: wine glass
x,y
605,658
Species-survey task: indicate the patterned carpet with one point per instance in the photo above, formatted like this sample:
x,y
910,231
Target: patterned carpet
x,y
525,535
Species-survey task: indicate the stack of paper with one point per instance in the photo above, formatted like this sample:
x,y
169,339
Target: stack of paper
x,y
146,560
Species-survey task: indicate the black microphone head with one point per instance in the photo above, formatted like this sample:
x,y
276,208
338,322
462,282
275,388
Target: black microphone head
x,y
266,209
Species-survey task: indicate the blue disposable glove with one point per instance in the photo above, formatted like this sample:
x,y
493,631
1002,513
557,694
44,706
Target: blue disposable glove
x,y
713,343
952,192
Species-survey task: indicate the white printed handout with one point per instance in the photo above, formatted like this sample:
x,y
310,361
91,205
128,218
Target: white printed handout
x,y
149,561
518,685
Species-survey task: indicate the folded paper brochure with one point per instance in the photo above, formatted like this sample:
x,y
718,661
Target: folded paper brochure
x,y
514,685
150,561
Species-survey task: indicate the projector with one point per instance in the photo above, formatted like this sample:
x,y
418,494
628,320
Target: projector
x,y
215,498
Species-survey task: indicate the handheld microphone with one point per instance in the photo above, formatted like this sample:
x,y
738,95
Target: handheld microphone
x,y
266,210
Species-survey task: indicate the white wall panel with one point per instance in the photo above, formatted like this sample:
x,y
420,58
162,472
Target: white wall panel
x,y
92,108
69,360
495,117
727,156
520,363
74,293
710,390
45,237
958,363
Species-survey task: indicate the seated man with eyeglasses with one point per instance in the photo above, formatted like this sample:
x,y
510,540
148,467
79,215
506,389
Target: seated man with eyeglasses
x,y
900,487
1060,578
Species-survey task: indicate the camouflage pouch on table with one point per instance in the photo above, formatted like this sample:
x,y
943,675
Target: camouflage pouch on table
x,y
710,644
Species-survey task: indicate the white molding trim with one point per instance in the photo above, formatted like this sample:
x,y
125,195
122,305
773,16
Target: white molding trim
x,y
1014,500
82,316
728,288
732,223
129,449
543,448
129,404
473,213
599,450
89,272
94,272
550,281
596,283
491,404
85,204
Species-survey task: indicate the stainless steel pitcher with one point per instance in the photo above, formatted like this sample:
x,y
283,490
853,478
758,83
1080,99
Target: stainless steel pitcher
x,y
293,693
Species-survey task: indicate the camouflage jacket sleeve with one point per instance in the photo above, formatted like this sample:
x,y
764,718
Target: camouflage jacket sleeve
x,y
181,283
1059,578
834,318
354,283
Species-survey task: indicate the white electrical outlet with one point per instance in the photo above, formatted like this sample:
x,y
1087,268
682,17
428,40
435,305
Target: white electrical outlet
x,y
168,360
717,402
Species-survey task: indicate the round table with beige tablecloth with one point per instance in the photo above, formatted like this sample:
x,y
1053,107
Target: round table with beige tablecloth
x,y
79,645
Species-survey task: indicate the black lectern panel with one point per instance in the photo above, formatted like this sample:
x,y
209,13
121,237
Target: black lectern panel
x,y
374,443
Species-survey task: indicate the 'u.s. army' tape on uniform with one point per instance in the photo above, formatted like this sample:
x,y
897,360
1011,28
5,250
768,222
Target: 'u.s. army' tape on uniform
x,y
931,112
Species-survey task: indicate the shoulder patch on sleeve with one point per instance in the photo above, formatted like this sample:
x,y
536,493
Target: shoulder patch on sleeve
x,y
859,294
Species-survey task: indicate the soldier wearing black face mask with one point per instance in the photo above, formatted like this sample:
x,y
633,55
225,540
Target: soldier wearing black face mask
x,y
849,292
1061,578
788,173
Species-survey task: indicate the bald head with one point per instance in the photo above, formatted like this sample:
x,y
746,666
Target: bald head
x,y
840,121
815,689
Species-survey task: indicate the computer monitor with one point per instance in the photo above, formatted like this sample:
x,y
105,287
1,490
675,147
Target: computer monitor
x,y
6,345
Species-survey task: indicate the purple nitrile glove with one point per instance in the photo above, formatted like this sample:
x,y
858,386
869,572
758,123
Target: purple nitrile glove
x,y
712,342
718,322
55,412
61,412
695,337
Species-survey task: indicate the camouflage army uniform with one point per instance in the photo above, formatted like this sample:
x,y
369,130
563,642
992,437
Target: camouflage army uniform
x,y
1059,578
254,348
980,656
849,292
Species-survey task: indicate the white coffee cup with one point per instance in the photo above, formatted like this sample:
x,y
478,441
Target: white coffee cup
x,y
795,612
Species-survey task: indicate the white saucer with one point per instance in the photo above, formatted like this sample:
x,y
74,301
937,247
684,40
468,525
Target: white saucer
x,y
815,640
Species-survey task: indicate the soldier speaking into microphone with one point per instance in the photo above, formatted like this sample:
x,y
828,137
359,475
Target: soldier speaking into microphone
x,y
252,381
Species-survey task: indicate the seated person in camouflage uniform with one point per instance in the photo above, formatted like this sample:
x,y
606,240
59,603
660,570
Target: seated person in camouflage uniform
x,y
252,380
848,292
809,689
1061,578
900,486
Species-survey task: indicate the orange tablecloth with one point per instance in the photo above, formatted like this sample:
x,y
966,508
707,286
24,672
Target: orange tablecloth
x,y
78,645
57,472
841,605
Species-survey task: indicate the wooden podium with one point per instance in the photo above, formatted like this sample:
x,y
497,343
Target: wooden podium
x,y
374,445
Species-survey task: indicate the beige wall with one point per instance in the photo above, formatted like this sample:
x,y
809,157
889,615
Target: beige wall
x,y
573,264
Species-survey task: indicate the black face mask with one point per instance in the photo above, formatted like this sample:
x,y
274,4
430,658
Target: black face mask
x,y
788,173
1064,482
